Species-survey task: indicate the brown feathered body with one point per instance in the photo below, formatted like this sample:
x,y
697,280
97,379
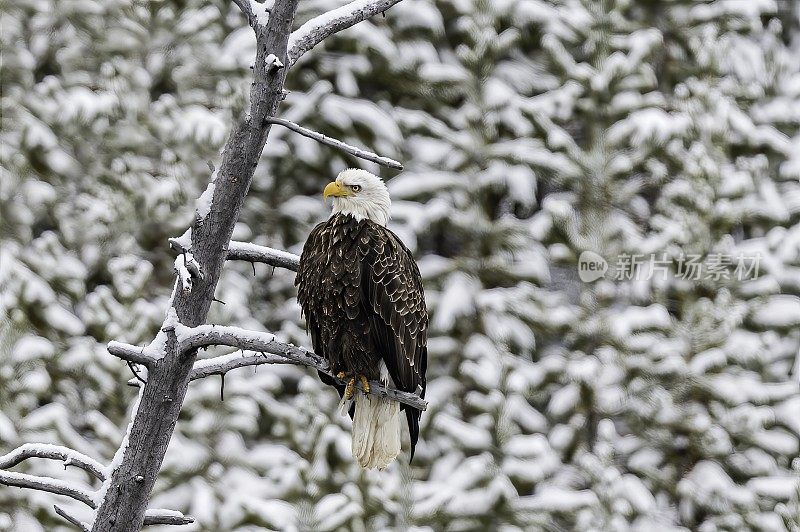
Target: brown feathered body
x,y
361,294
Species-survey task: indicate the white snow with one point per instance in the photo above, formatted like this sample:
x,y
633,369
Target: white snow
x,y
183,273
779,311
203,204
552,498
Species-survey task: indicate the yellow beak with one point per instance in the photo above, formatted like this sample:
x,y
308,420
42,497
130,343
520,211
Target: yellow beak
x,y
334,189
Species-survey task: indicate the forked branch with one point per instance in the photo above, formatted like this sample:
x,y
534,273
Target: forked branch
x,y
50,485
255,12
53,452
70,518
60,487
319,28
262,348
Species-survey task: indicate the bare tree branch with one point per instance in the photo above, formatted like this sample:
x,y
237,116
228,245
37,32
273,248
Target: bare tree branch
x,y
73,520
207,335
244,6
263,348
223,364
131,353
254,253
338,144
53,452
247,7
319,28
245,251
166,517
50,485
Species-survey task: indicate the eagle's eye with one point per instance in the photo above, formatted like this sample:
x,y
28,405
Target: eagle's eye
x,y
356,188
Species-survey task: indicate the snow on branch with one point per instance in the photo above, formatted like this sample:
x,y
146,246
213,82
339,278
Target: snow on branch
x,y
244,251
338,144
131,353
187,269
166,517
72,519
258,348
48,484
53,452
68,489
254,253
208,335
223,364
257,13
319,28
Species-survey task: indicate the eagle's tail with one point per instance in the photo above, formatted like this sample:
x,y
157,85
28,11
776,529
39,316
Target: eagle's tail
x,y
376,431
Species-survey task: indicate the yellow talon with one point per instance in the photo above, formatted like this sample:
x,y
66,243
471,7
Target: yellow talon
x,y
350,388
340,375
364,383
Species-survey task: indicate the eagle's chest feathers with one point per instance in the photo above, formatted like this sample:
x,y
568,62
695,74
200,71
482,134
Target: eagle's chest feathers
x,y
331,294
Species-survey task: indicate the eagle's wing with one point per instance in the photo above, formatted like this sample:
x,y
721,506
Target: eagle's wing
x,y
310,279
391,288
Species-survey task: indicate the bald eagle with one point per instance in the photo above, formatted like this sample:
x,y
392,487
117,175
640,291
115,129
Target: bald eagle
x,y
362,297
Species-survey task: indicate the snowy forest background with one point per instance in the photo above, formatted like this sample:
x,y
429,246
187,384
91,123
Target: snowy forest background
x,y
531,131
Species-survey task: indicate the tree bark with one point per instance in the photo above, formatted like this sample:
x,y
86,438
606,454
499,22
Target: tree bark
x,y
127,491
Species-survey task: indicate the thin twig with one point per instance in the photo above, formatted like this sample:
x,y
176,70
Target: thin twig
x,y
73,520
53,452
352,150
166,517
50,485
247,10
319,28
135,372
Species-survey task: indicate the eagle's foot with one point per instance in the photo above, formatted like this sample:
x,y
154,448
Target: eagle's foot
x,y
350,389
364,383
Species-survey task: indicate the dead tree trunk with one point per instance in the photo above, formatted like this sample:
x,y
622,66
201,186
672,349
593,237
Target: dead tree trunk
x,y
128,489
121,501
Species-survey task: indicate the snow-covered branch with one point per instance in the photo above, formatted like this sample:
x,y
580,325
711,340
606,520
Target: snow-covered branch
x,y
68,489
319,28
70,518
254,253
338,144
50,485
259,342
131,353
187,269
223,364
166,517
257,14
244,251
258,348
53,452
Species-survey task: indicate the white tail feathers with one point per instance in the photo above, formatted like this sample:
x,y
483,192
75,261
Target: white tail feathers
x,y
376,431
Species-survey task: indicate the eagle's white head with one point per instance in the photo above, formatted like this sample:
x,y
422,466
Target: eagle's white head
x,y
360,194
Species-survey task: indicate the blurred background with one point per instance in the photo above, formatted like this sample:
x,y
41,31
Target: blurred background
x,y
532,131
